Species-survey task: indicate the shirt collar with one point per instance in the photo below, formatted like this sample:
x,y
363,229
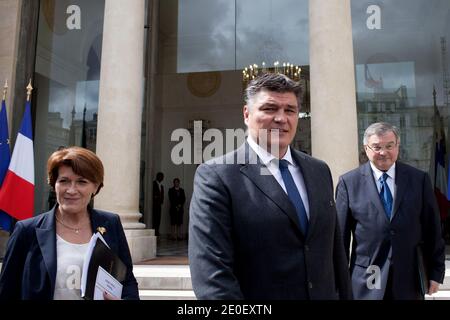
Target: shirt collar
x,y
378,173
267,157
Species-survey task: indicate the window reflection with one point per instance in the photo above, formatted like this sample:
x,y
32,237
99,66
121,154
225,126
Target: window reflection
x,y
67,73
216,35
272,30
400,57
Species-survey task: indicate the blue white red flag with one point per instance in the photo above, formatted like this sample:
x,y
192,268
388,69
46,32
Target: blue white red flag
x,y
17,192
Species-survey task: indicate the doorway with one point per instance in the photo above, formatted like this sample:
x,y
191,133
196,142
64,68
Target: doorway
x,y
194,73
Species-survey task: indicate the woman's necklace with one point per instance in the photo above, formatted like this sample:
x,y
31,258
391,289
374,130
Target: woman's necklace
x,y
76,230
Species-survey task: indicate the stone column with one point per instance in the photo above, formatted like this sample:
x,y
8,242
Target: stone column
x,y
119,120
9,21
334,128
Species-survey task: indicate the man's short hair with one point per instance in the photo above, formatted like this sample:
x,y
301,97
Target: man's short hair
x,y
380,129
276,82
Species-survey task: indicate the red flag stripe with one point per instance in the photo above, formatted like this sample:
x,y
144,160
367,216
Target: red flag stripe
x,y
442,204
17,196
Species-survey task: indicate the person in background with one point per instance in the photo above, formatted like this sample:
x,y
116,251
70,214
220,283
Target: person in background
x,y
45,254
389,209
177,198
158,199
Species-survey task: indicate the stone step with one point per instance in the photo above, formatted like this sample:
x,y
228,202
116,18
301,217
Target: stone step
x,y
166,295
163,277
169,277
440,295
169,282
164,282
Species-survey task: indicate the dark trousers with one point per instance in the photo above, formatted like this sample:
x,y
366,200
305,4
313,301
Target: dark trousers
x,y
156,218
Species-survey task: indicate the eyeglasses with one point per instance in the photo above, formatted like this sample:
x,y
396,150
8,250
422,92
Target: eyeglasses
x,y
378,149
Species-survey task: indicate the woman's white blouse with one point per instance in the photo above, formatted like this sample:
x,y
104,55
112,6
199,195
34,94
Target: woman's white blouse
x,y
69,266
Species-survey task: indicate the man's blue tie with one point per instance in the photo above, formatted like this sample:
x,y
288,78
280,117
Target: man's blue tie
x,y
294,195
386,195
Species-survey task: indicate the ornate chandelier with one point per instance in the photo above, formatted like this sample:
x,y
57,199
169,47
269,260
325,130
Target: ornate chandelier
x,y
288,69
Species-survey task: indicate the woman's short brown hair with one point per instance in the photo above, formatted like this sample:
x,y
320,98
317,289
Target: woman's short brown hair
x,y
83,162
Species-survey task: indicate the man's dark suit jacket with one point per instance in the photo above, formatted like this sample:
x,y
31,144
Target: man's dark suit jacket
x,y
244,236
158,194
414,219
29,266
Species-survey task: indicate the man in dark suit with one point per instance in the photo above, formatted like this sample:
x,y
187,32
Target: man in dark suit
x,y
389,208
158,199
263,221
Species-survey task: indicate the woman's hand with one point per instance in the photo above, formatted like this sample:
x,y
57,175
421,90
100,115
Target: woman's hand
x,y
107,296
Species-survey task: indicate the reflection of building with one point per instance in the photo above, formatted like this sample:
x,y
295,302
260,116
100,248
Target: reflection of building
x,y
57,135
76,132
415,123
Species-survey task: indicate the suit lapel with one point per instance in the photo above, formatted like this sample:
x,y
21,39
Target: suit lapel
x,y
401,185
46,237
371,186
266,182
98,222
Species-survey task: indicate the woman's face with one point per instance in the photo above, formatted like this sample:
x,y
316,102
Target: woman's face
x,y
73,192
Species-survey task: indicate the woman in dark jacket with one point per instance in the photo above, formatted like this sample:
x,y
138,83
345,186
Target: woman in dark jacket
x,y
45,254
177,198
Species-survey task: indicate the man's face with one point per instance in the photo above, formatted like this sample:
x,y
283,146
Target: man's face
x,y
273,116
382,151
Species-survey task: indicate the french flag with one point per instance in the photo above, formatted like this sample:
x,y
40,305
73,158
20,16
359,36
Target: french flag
x,y
440,182
437,163
17,192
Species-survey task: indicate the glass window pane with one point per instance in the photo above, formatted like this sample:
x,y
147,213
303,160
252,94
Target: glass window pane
x,y
269,31
67,74
202,48
216,35
401,55
206,35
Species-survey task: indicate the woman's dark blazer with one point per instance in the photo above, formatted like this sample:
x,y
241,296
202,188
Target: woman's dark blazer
x,y
29,266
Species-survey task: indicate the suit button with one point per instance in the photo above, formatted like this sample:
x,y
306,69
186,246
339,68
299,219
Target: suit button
x,y
306,248
392,232
310,285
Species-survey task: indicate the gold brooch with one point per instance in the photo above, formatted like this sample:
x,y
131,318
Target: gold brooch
x,y
102,230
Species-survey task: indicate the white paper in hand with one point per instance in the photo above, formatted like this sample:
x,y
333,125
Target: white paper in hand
x,y
106,282
87,259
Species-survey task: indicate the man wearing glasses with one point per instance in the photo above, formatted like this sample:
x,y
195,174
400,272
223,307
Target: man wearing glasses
x,y
388,208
